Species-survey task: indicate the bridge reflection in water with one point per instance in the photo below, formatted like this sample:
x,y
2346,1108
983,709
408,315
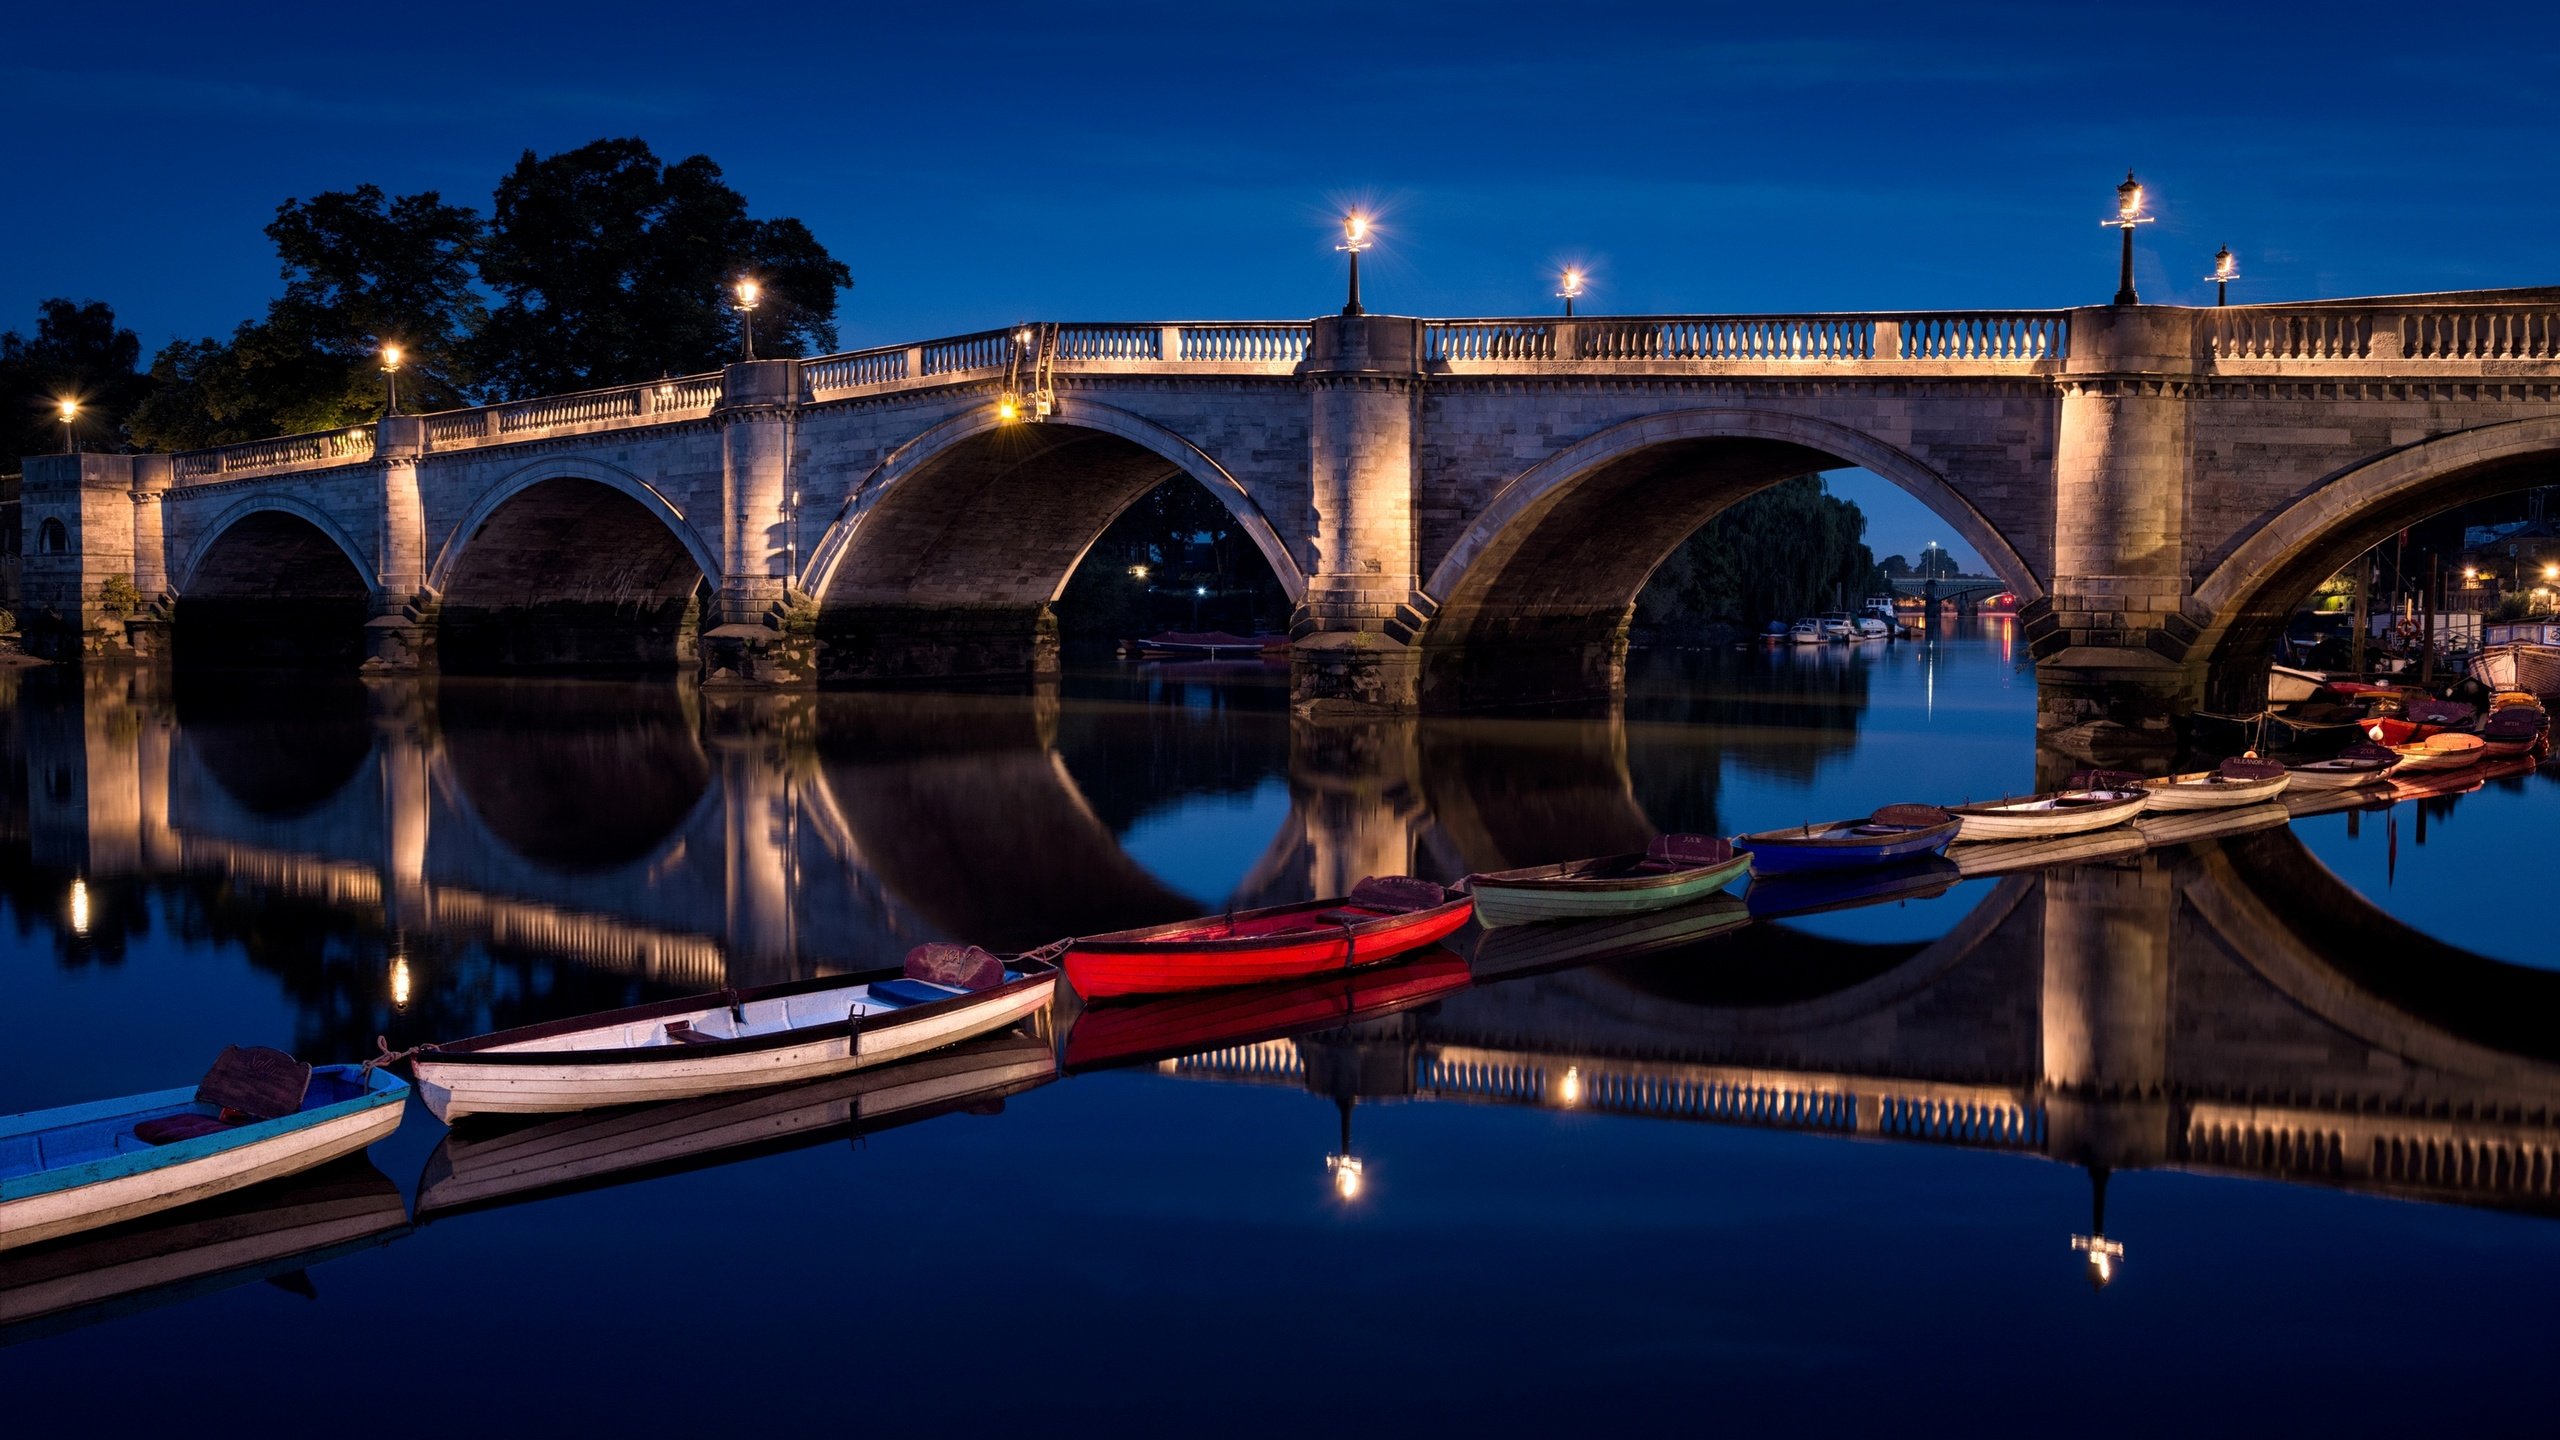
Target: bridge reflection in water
x,y
2225,1008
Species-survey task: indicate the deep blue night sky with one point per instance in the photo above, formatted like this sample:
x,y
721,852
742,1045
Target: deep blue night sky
x,y
984,163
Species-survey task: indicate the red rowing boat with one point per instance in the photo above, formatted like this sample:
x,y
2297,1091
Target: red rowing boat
x,y
1189,1024
1383,917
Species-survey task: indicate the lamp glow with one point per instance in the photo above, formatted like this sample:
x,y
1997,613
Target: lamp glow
x,y
1137,572
391,355
2225,270
1355,238
750,295
2128,215
400,982
67,408
1009,409
1347,1180
1572,291
1569,1089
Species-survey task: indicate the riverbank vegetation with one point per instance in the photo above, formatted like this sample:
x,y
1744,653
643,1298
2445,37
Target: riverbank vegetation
x,y
1791,550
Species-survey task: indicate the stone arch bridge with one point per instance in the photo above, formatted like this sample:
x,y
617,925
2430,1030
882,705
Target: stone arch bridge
x,y
1461,510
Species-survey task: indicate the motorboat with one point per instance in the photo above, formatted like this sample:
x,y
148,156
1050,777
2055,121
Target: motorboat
x,y
736,1039
2286,684
2519,665
1839,625
258,1114
2039,817
1383,917
1805,632
1893,835
1871,628
1672,871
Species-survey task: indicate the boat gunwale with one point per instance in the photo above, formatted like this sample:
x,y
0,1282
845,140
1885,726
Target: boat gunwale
x,y
1793,837
1030,973
2044,804
1152,939
1528,880
377,1088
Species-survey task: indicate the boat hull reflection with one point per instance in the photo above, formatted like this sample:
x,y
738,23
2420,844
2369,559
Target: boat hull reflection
x,y
1812,894
1134,1034
265,1232
504,1161
1533,949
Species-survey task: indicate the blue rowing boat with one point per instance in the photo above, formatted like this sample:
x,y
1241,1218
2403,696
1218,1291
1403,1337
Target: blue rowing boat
x,y
1893,835
257,1115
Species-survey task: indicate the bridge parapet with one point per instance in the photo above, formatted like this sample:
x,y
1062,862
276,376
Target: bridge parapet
x,y
2455,340
1753,342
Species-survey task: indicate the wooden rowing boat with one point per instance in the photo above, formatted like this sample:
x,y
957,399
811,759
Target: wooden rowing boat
x,y
735,1039
1177,1025
1816,892
1674,870
2233,783
2064,812
1894,835
1383,917
265,1232
259,1114
2450,751
1517,950
506,1161
2359,764
2513,730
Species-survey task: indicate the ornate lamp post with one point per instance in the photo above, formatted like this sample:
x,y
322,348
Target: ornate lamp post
x,y
68,409
1572,290
1355,238
750,295
2128,214
2225,270
391,379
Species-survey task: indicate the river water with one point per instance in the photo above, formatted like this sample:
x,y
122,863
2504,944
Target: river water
x,y
1798,1174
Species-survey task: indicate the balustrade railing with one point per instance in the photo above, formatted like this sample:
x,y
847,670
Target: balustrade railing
x,y
854,371
1110,342
1489,340
2253,334
1245,343
328,447
1985,336
2480,334
629,402
988,351
1768,339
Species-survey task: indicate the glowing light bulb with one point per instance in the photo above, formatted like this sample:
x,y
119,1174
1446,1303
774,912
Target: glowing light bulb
x,y
749,294
391,356
66,408
1009,409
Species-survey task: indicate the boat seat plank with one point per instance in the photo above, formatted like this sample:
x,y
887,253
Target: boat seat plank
x,y
682,1032
170,1129
1344,917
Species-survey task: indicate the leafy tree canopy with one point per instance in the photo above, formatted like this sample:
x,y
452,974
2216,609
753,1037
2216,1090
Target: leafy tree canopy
x,y
1791,550
606,265
614,266
361,270
77,352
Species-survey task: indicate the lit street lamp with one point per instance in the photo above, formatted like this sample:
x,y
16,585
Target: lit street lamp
x,y
1572,289
1355,238
68,409
750,294
2128,214
2225,270
391,379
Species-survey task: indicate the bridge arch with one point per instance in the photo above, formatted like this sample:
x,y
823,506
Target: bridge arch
x,y
2241,607
570,563
946,556
1547,575
273,579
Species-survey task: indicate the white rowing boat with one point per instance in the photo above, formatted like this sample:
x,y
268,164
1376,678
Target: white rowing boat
x,y
735,1040
2235,782
2449,751
2064,812
259,1114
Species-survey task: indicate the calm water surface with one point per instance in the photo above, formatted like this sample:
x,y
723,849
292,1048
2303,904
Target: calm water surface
x,y
1806,1173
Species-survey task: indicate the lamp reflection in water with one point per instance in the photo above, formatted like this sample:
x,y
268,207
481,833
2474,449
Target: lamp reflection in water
x,y
1344,1166
2105,1256
400,981
1569,1089
79,907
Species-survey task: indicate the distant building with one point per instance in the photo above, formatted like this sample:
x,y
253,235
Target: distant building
x,y
2499,561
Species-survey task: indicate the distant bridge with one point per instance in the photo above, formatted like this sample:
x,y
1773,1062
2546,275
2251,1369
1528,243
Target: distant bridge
x,y
1461,511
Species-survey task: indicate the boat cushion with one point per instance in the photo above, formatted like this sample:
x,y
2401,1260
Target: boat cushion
x,y
2243,768
2427,710
1680,851
256,1081
900,993
170,1129
2104,780
1909,817
962,967
1397,894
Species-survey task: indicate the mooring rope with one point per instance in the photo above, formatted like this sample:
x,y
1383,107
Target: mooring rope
x,y
390,1057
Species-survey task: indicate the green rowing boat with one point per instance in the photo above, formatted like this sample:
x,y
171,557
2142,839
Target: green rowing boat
x,y
1674,870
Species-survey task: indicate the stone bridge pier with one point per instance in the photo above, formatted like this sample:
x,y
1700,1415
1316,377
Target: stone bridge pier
x,y
1460,512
